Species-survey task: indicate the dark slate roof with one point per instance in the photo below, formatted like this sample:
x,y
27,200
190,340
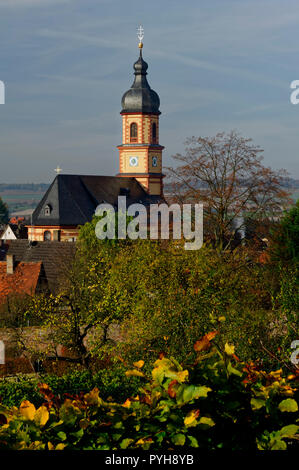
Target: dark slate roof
x,y
73,198
140,98
56,257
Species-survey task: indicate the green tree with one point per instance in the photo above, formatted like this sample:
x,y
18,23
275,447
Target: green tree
x,y
4,213
169,298
285,243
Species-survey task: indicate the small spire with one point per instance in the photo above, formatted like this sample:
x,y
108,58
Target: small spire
x,y
140,35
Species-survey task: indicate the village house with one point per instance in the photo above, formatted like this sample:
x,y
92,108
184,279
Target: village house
x,y
35,266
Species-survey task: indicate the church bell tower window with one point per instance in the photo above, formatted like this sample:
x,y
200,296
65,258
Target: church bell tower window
x,y
133,132
154,133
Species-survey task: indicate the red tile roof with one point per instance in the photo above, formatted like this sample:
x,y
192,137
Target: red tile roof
x,y
24,280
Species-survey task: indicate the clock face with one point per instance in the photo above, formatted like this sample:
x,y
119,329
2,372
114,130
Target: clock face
x,y
133,161
155,161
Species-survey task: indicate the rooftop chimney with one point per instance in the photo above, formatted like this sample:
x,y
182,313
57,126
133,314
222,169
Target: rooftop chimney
x,y
10,264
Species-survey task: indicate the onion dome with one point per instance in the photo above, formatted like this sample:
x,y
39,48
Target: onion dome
x,y
140,98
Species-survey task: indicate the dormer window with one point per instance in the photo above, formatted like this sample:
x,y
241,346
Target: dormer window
x,y
133,132
154,133
48,209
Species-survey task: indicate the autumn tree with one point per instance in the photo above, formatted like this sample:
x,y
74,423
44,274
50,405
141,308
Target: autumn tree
x,y
226,174
81,315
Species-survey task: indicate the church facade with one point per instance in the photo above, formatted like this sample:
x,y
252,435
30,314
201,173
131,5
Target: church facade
x,y
71,200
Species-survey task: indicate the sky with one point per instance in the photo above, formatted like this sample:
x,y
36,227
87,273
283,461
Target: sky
x,y
217,65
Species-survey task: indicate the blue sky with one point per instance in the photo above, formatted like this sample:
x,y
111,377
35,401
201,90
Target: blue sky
x,y
217,65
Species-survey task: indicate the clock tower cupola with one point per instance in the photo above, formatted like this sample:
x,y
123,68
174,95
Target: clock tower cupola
x,y
140,154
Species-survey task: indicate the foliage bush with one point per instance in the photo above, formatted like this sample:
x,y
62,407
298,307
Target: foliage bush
x,y
216,402
170,298
285,237
112,383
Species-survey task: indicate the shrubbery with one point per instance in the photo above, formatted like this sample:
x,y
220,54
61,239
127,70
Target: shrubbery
x,y
216,402
112,383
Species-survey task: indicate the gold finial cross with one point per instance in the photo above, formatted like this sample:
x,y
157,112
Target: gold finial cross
x,y
58,170
140,35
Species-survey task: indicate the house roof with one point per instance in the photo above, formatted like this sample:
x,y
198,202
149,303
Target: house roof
x,y
72,199
56,257
19,230
24,279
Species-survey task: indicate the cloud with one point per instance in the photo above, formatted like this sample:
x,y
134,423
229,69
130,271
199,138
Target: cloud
x,y
27,3
80,38
216,66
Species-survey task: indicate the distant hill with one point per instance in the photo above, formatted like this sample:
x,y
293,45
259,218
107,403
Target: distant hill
x,y
290,183
24,187
22,197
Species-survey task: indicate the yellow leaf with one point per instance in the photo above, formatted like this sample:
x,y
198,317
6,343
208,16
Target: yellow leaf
x,y
229,349
148,440
221,319
183,375
50,446
204,343
60,446
127,403
134,373
140,441
41,416
276,373
27,409
138,364
191,418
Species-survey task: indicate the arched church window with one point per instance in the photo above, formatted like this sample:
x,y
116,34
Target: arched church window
x,y
154,132
47,236
133,132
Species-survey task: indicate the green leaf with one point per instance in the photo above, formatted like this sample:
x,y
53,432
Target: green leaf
x,y
232,370
61,435
125,443
257,403
278,444
179,439
193,441
289,431
78,434
192,392
68,413
206,421
290,405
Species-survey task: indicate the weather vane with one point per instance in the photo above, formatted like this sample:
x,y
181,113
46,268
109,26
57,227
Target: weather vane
x,y
140,35
58,170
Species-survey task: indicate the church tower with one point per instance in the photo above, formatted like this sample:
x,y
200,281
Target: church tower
x,y
140,154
